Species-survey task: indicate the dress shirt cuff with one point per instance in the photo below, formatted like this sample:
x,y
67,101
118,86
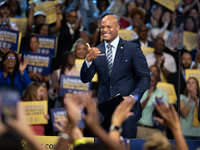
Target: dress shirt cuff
x,y
88,63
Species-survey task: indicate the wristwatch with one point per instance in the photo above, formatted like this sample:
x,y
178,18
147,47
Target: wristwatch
x,y
117,128
64,136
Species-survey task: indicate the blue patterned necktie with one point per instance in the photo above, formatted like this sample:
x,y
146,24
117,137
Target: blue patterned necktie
x,y
109,58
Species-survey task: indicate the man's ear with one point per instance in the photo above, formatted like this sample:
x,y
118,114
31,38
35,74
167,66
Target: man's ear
x,y
118,27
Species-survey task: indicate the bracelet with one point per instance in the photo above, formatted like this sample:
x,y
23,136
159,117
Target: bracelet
x,y
79,141
97,29
166,24
64,136
190,104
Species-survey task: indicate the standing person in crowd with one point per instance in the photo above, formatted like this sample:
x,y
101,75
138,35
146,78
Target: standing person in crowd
x,y
38,17
15,11
186,61
4,16
13,73
146,126
43,29
137,18
115,60
164,61
143,35
195,14
154,17
69,33
35,92
125,21
188,109
163,27
80,49
66,68
190,24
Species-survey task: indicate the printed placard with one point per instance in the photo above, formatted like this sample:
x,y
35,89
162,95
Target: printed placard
x,y
169,89
192,73
147,50
78,65
39,63
35,112
58,113
21,24
189,40
49,142
49,10
47,45
71,84
169,4
10,38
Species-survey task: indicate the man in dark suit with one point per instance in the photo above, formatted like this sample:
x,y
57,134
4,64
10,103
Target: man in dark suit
x,y
143,34
121,68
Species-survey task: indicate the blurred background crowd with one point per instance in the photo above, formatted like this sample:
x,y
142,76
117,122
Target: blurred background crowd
x,y
77,23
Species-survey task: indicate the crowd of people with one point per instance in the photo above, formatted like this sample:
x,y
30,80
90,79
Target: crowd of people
x,y
150,25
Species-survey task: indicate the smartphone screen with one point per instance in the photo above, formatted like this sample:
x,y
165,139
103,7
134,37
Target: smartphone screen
x,y
9,98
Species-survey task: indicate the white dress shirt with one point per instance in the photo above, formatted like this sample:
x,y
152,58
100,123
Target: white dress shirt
x,y
114,49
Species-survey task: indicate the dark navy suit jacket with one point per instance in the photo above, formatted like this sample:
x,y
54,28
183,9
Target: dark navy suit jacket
x,y
130,73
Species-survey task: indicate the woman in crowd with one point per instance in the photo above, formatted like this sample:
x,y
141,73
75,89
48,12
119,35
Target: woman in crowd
x,y
35,92
190,24
15,11
43,29
188,109
125,21
13,73
80,49
195,14
66,68
163,29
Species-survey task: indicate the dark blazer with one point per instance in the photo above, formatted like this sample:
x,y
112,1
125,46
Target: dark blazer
x,y
130,73
172,78
150,44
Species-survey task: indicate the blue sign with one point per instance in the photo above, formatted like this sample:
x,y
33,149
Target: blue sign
x,y
39,63
10,38
58,113
47,45
71,84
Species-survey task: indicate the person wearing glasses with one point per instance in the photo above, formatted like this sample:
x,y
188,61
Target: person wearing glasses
x,y
13,73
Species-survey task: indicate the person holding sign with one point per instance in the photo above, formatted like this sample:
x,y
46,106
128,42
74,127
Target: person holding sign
x,y
121,68
35,92
189,103
13,73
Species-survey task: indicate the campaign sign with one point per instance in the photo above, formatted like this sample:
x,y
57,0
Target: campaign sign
x,y
58,113
35,112
39,63
71,84
10,38
47,45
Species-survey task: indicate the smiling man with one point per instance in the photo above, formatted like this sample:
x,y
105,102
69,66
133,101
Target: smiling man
x,y
121,68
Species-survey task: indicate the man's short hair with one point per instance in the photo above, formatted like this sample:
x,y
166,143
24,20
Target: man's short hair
x,y
106,13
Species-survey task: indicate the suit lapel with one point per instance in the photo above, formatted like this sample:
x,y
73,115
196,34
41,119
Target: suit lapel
x,y
118,56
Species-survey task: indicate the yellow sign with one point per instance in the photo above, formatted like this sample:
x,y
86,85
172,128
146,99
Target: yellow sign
x,y
78,65
49,10
170,4
21,24
35,111
192,73
49,142
147,50
189,40
169,89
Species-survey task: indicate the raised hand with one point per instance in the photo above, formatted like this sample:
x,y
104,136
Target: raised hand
x,y
93,53
122,112
23,66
